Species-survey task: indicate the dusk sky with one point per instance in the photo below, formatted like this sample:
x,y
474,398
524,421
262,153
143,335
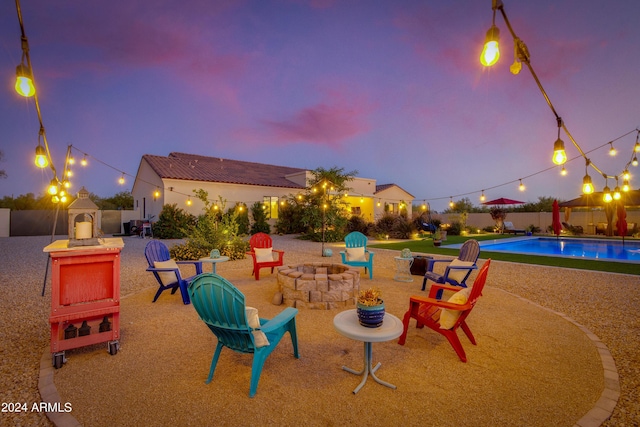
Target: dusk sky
x,y
392,89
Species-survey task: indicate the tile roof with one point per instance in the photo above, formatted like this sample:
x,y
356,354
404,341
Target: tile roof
x,y
383,187
194,167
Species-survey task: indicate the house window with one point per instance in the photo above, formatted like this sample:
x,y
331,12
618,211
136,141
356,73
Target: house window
x,y
355,210
392,207
271,206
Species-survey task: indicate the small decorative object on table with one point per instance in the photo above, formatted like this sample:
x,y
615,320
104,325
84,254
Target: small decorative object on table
x,y
214,253
370,308
406,253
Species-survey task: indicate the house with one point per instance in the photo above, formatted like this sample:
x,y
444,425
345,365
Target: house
x,y
173,179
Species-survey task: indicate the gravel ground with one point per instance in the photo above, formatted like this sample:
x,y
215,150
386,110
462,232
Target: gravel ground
x,y
604,303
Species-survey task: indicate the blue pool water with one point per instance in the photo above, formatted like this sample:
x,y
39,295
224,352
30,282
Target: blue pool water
x,y
608,250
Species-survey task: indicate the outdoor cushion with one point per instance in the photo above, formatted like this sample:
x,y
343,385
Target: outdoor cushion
x,y
264,254
448,318
459,274
356,254
259,337
167,277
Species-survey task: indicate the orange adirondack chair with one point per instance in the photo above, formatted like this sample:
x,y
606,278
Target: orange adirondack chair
x,y
263,253
441,315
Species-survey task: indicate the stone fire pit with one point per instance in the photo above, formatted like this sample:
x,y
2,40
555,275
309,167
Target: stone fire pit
x,y
318,285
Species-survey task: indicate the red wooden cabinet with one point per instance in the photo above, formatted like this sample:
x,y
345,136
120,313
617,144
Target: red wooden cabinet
x,y
85,296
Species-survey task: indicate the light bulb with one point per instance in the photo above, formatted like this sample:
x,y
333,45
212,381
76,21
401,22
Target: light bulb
x,y
559,155
72,161
188,202
634,162
156,194
625,186
521,187
121,180
626,175
83,162
41,160
491,52
24,83
53,187
563,172
616,193
612,151
587,185
607,194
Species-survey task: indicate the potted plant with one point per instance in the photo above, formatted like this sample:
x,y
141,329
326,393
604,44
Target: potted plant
x,y
370,307
437,237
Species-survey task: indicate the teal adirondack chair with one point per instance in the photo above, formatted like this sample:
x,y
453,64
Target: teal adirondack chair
x,y
222,308
356,253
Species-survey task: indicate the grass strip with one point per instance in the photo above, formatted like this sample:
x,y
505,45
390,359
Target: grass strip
x,y
426,246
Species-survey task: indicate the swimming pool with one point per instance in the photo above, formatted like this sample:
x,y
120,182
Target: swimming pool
x,y
596,249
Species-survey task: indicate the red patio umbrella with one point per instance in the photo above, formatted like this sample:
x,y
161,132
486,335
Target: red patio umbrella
x,y
555,222
503,201
621,223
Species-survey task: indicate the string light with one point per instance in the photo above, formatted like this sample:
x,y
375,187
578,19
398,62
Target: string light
x,y
121,179
41,160
521,187
84,162
482,196
490,56
563,171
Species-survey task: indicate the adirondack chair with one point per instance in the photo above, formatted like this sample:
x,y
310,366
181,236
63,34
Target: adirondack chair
x,y
263,253
221,306
445,317
166,270
458,270
356,252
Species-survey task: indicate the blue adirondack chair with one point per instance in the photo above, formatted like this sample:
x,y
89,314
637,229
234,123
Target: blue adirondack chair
x,y
221,307
356,253
458,270
168,276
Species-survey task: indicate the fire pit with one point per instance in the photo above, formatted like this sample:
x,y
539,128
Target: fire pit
x,y
318,285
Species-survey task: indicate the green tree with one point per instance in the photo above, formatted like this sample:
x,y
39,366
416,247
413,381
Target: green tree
x,y
324,206
120,201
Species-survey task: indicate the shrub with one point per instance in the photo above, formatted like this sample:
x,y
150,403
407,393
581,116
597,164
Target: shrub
x,y
289,219
173,223
455,228
403,228
357,223
260,224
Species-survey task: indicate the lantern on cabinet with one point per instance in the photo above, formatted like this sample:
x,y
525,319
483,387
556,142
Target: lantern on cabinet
x,y
83,221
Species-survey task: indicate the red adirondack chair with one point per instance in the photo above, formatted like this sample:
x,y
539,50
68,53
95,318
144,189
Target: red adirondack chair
x,y
263,253
429,311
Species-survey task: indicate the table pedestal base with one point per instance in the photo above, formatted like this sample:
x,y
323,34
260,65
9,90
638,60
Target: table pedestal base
x,y
368,369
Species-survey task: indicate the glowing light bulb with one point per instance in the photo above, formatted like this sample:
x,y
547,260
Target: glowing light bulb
x,y
71,160
607,194
563,172
188,202
626,175
491,52
587,185
41,160
634,162
559,155
84,162
521,187
53,187
24,83
121,180
616,193
625,186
